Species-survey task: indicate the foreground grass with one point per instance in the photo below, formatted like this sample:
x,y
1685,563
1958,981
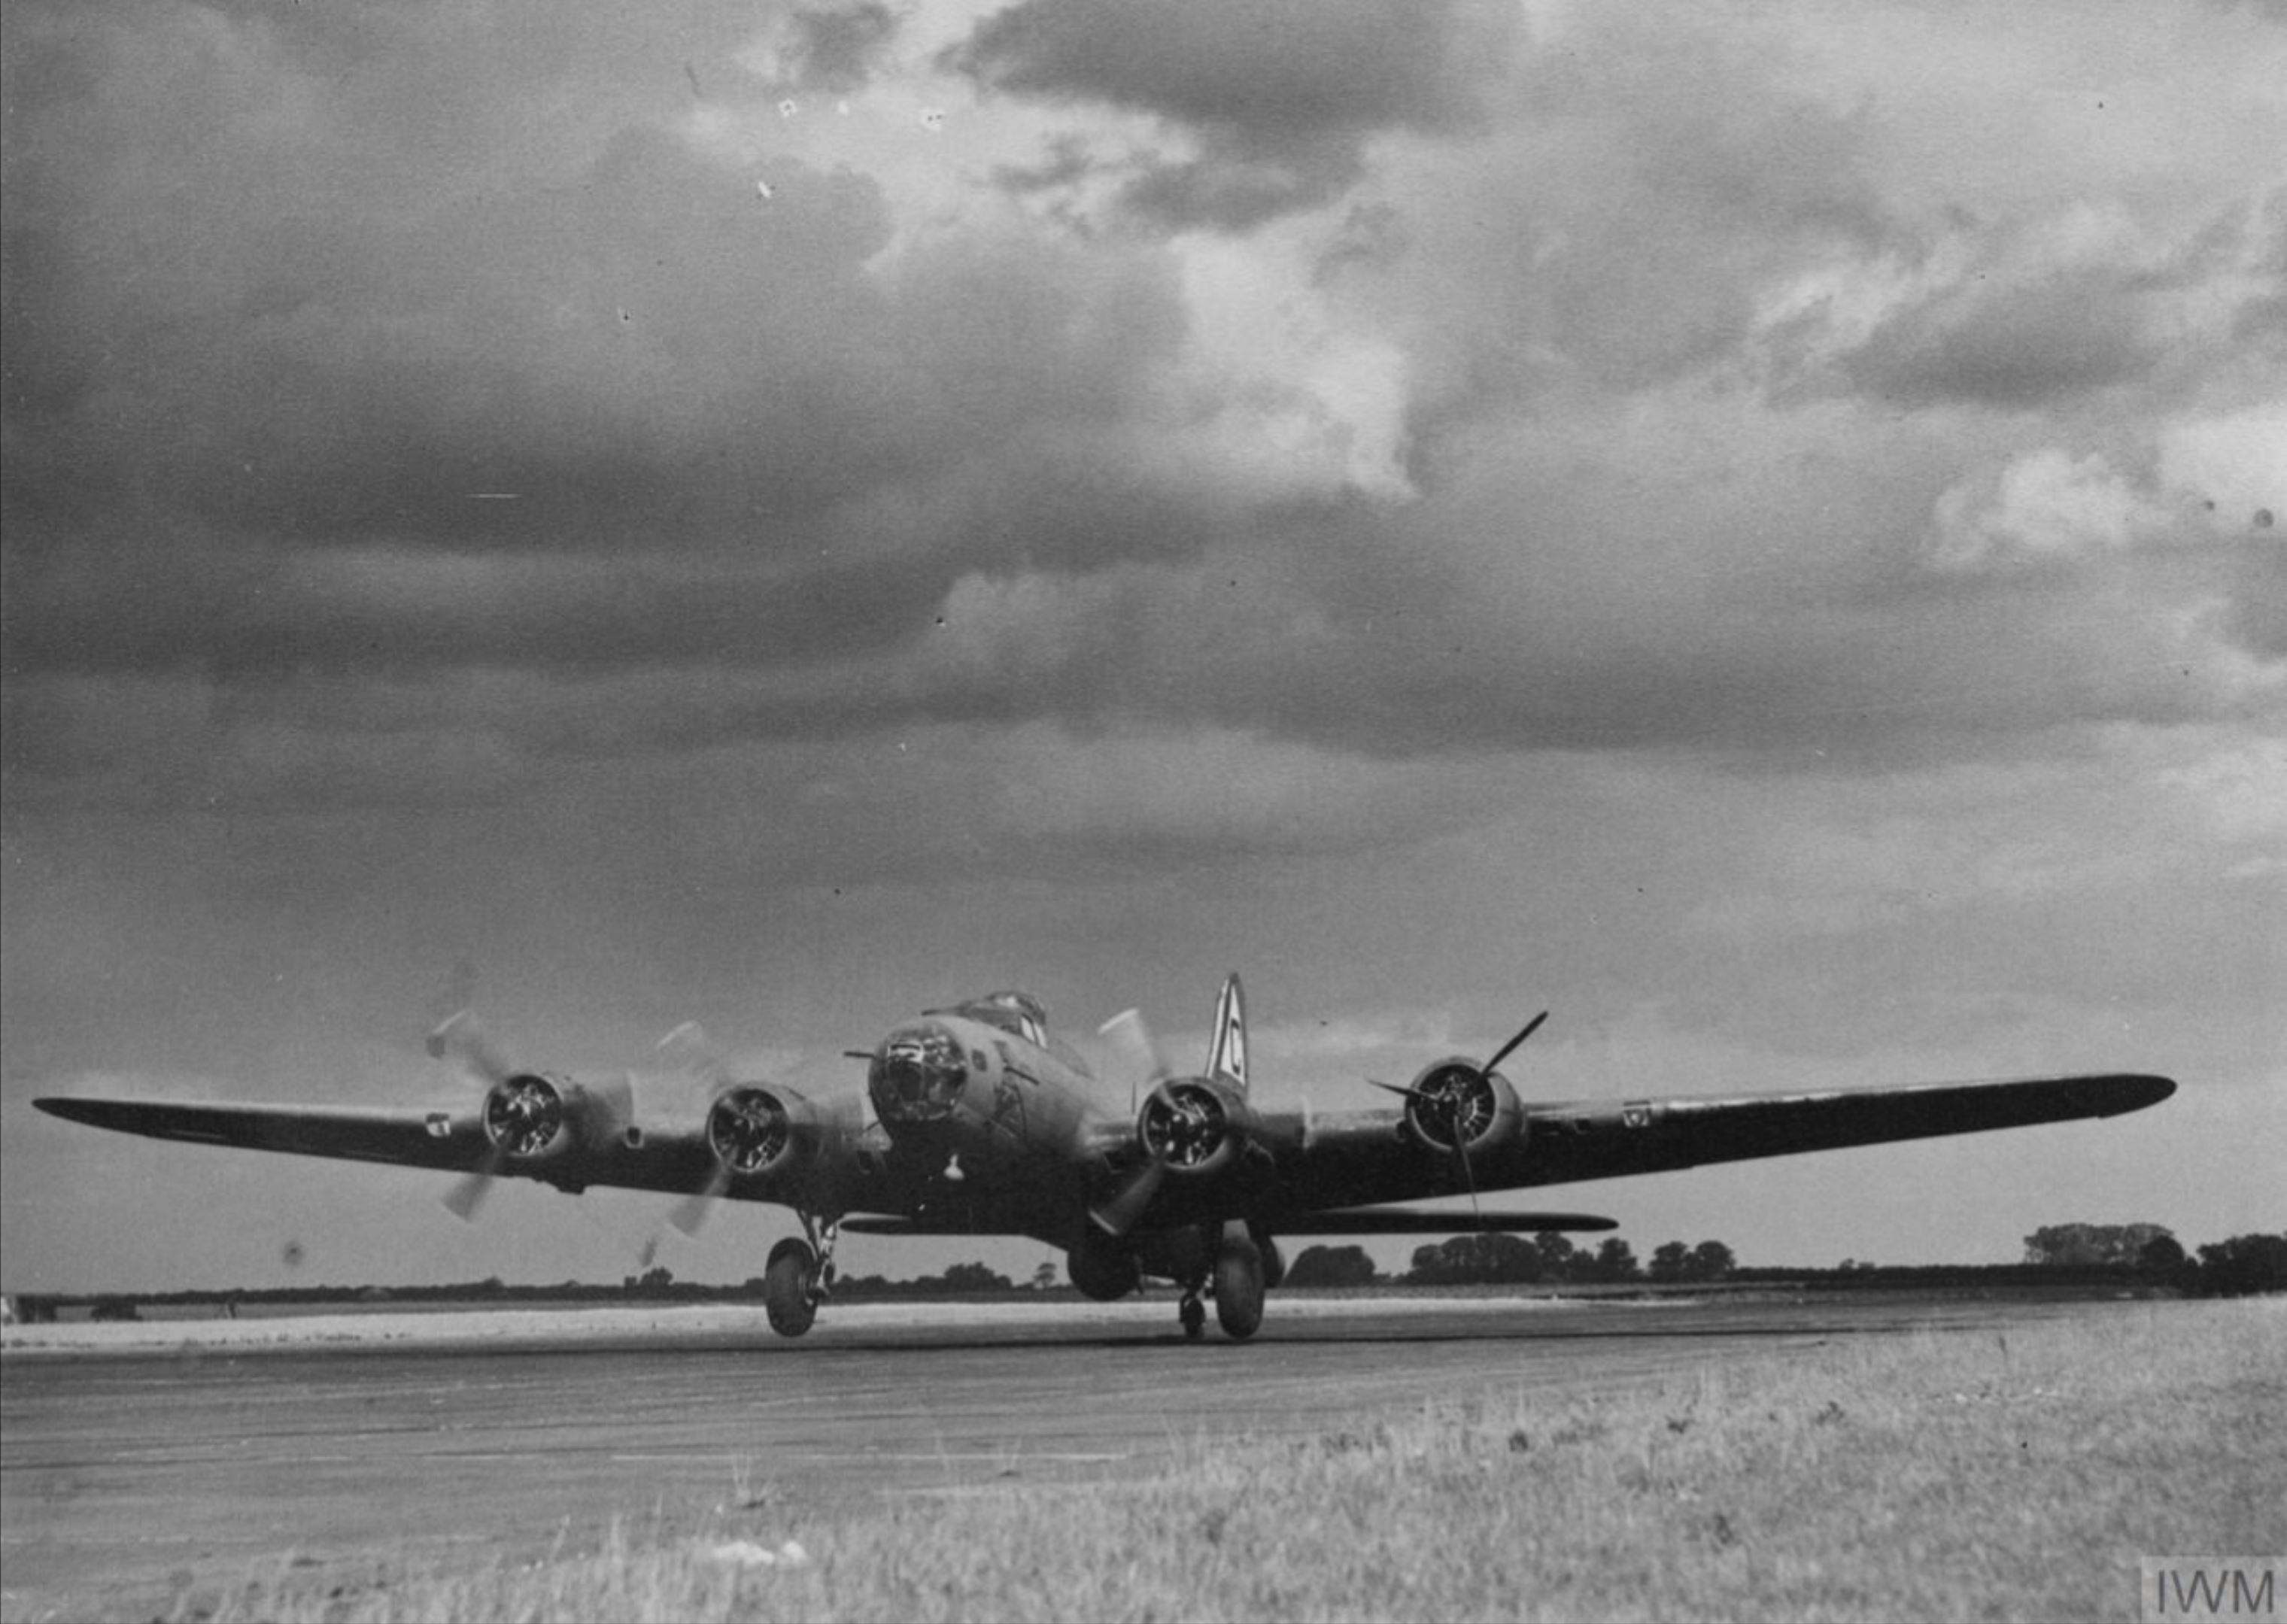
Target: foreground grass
x,y
1950,1475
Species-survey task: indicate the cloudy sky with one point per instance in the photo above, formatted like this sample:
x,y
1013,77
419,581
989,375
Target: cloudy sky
x,y
1750,527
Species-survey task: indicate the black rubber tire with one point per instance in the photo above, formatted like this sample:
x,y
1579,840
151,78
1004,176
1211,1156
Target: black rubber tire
x,y
786,1287
1193,1314
1238,1288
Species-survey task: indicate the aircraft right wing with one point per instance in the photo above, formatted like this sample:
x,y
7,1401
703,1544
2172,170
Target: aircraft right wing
x,y
1610,1139
1343,1159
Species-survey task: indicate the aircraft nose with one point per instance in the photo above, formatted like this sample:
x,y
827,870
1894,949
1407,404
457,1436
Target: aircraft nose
x,y
917,1074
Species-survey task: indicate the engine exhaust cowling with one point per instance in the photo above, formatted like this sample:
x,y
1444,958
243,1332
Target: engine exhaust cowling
x,y
1455,1103
531,1119
1195,1125
753,1131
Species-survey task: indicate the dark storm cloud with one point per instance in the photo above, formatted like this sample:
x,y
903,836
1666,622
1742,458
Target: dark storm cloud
x,y
1282,95
2260,324
607,338
2017,349
2047,312
1649,176
2257,614
238,612
603,451
1273,67
836,49
276,402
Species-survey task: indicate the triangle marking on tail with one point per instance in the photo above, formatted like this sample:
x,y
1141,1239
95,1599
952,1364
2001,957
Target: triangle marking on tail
x,y
1227,1049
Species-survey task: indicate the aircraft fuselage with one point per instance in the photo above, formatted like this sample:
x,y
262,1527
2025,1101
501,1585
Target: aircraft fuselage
x,y
970,1096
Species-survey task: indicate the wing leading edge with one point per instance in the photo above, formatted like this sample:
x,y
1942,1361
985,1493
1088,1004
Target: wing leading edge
x,y
1358,1159
450,1141
1607,1140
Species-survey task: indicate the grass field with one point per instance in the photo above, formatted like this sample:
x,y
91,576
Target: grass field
x,y
1930,1476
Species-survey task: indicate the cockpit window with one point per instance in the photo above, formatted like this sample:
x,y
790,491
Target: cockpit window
x,y
1018,1014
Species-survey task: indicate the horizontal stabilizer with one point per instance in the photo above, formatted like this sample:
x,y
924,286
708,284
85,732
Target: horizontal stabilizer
x,y
886,1224
1408,1221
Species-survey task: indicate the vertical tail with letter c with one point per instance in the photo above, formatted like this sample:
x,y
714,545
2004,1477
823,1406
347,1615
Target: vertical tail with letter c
x,y
1227,1047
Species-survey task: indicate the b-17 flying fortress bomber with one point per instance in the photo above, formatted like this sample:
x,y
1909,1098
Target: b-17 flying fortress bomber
x,y
977,1120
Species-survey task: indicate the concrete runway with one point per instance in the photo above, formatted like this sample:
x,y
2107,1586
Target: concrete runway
x,y
126,1475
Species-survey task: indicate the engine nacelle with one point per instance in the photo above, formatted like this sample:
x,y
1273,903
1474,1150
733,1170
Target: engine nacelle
x,y
753,1130
531,1119
1457,1098
1195,1125
1103,1271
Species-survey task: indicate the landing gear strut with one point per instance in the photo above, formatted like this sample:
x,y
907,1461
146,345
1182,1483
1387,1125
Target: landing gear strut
x,y
799,1275
1235,1282
1238,1288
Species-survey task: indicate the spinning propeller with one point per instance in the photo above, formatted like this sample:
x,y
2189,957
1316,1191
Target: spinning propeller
x,y
1128,1034
747,1129
1458,1102
704,1062
1148,1069
516,1118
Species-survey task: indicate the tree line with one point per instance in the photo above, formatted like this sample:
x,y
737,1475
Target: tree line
x,y
2138,1255
2241,1266
2143,1254
1482,1259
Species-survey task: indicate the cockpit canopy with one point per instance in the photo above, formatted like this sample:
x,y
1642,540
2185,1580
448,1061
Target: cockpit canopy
x,y
1018,1014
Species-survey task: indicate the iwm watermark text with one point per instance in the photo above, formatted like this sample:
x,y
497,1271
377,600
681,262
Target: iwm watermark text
x,y
2247,1589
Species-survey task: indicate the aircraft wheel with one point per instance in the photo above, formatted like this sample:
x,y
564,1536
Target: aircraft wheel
x,y
1238,1288
1193,1314
786,1287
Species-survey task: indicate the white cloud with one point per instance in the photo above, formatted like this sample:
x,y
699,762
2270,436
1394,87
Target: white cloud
x,y
2241,789
2234,465
1317,406
2044,504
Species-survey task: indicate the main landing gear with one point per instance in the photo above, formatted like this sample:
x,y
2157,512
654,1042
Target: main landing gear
x,y
1235,1282
799,1276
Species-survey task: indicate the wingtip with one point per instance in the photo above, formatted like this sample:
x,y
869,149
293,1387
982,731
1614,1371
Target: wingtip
x,y
2120,1092
2150,1091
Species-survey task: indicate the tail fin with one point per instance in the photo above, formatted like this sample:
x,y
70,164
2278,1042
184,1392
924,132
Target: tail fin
x,y
1227,1047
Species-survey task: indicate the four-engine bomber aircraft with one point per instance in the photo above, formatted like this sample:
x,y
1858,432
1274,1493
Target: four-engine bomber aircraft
x,y
983,1123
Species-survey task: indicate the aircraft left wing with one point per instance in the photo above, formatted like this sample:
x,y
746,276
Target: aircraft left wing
x,y
450,1141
